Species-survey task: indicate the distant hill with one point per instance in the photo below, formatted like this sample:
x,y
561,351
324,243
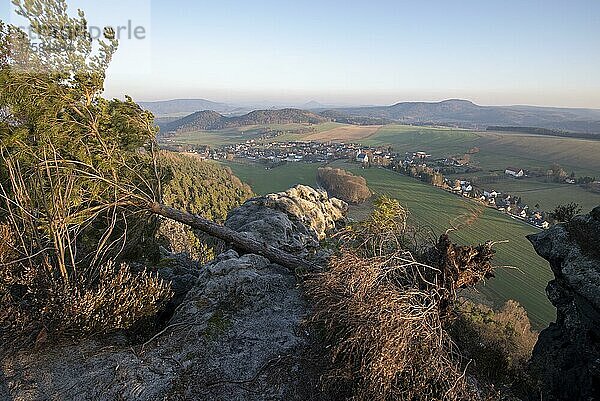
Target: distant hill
x,y
211,120
183,107
312,105
453,112
470,115
341,117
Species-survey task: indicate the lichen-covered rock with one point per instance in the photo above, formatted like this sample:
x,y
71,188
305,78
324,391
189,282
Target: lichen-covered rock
x,y
237,334
567,355
301,205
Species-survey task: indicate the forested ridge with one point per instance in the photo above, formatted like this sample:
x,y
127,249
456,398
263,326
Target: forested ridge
x,y
211,120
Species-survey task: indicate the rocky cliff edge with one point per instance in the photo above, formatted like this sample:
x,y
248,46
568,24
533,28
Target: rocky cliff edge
x,y
566,358
237,334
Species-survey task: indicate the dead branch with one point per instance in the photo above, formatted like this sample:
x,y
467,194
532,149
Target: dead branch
x,y
239,241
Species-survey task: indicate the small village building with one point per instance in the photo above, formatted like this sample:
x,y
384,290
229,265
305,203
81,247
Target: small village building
x,y
363,158
515,172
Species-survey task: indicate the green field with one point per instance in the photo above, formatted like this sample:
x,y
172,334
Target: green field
x,y
498,150
278,179
242,134
440,142
440,210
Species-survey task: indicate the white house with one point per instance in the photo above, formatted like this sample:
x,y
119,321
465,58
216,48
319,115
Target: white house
x,y
515,172
362,158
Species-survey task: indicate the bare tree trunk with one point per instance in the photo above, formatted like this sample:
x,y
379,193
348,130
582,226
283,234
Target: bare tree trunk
x,y
240,241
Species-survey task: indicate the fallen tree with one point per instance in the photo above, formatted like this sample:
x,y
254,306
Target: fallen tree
x,y
237,240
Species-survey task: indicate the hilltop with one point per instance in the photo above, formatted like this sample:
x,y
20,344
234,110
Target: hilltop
x,y
468,114
211,120
455,112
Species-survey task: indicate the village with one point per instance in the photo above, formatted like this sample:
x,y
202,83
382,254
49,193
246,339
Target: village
x,y
419,165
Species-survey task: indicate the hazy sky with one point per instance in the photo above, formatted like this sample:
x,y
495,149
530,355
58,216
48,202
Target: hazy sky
x,y
363,52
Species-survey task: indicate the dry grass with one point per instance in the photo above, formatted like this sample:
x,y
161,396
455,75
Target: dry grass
x,y
383,312
346,133
386,334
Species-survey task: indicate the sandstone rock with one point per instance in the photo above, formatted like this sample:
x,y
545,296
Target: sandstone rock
x,y
293,220
567,355
237,334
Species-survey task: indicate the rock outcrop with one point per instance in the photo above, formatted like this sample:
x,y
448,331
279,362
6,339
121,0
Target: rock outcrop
x,y
566,358
237,334
293,220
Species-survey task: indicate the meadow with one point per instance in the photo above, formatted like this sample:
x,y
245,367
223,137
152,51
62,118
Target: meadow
x,y
524,281
278,179
345,133
497,150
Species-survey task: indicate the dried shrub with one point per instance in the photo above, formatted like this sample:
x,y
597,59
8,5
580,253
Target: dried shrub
x,y
7,242
386,334
38,306
119,300
383,312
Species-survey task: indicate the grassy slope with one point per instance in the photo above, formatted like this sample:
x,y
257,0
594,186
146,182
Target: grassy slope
x,y
500,150
438,141
437,209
